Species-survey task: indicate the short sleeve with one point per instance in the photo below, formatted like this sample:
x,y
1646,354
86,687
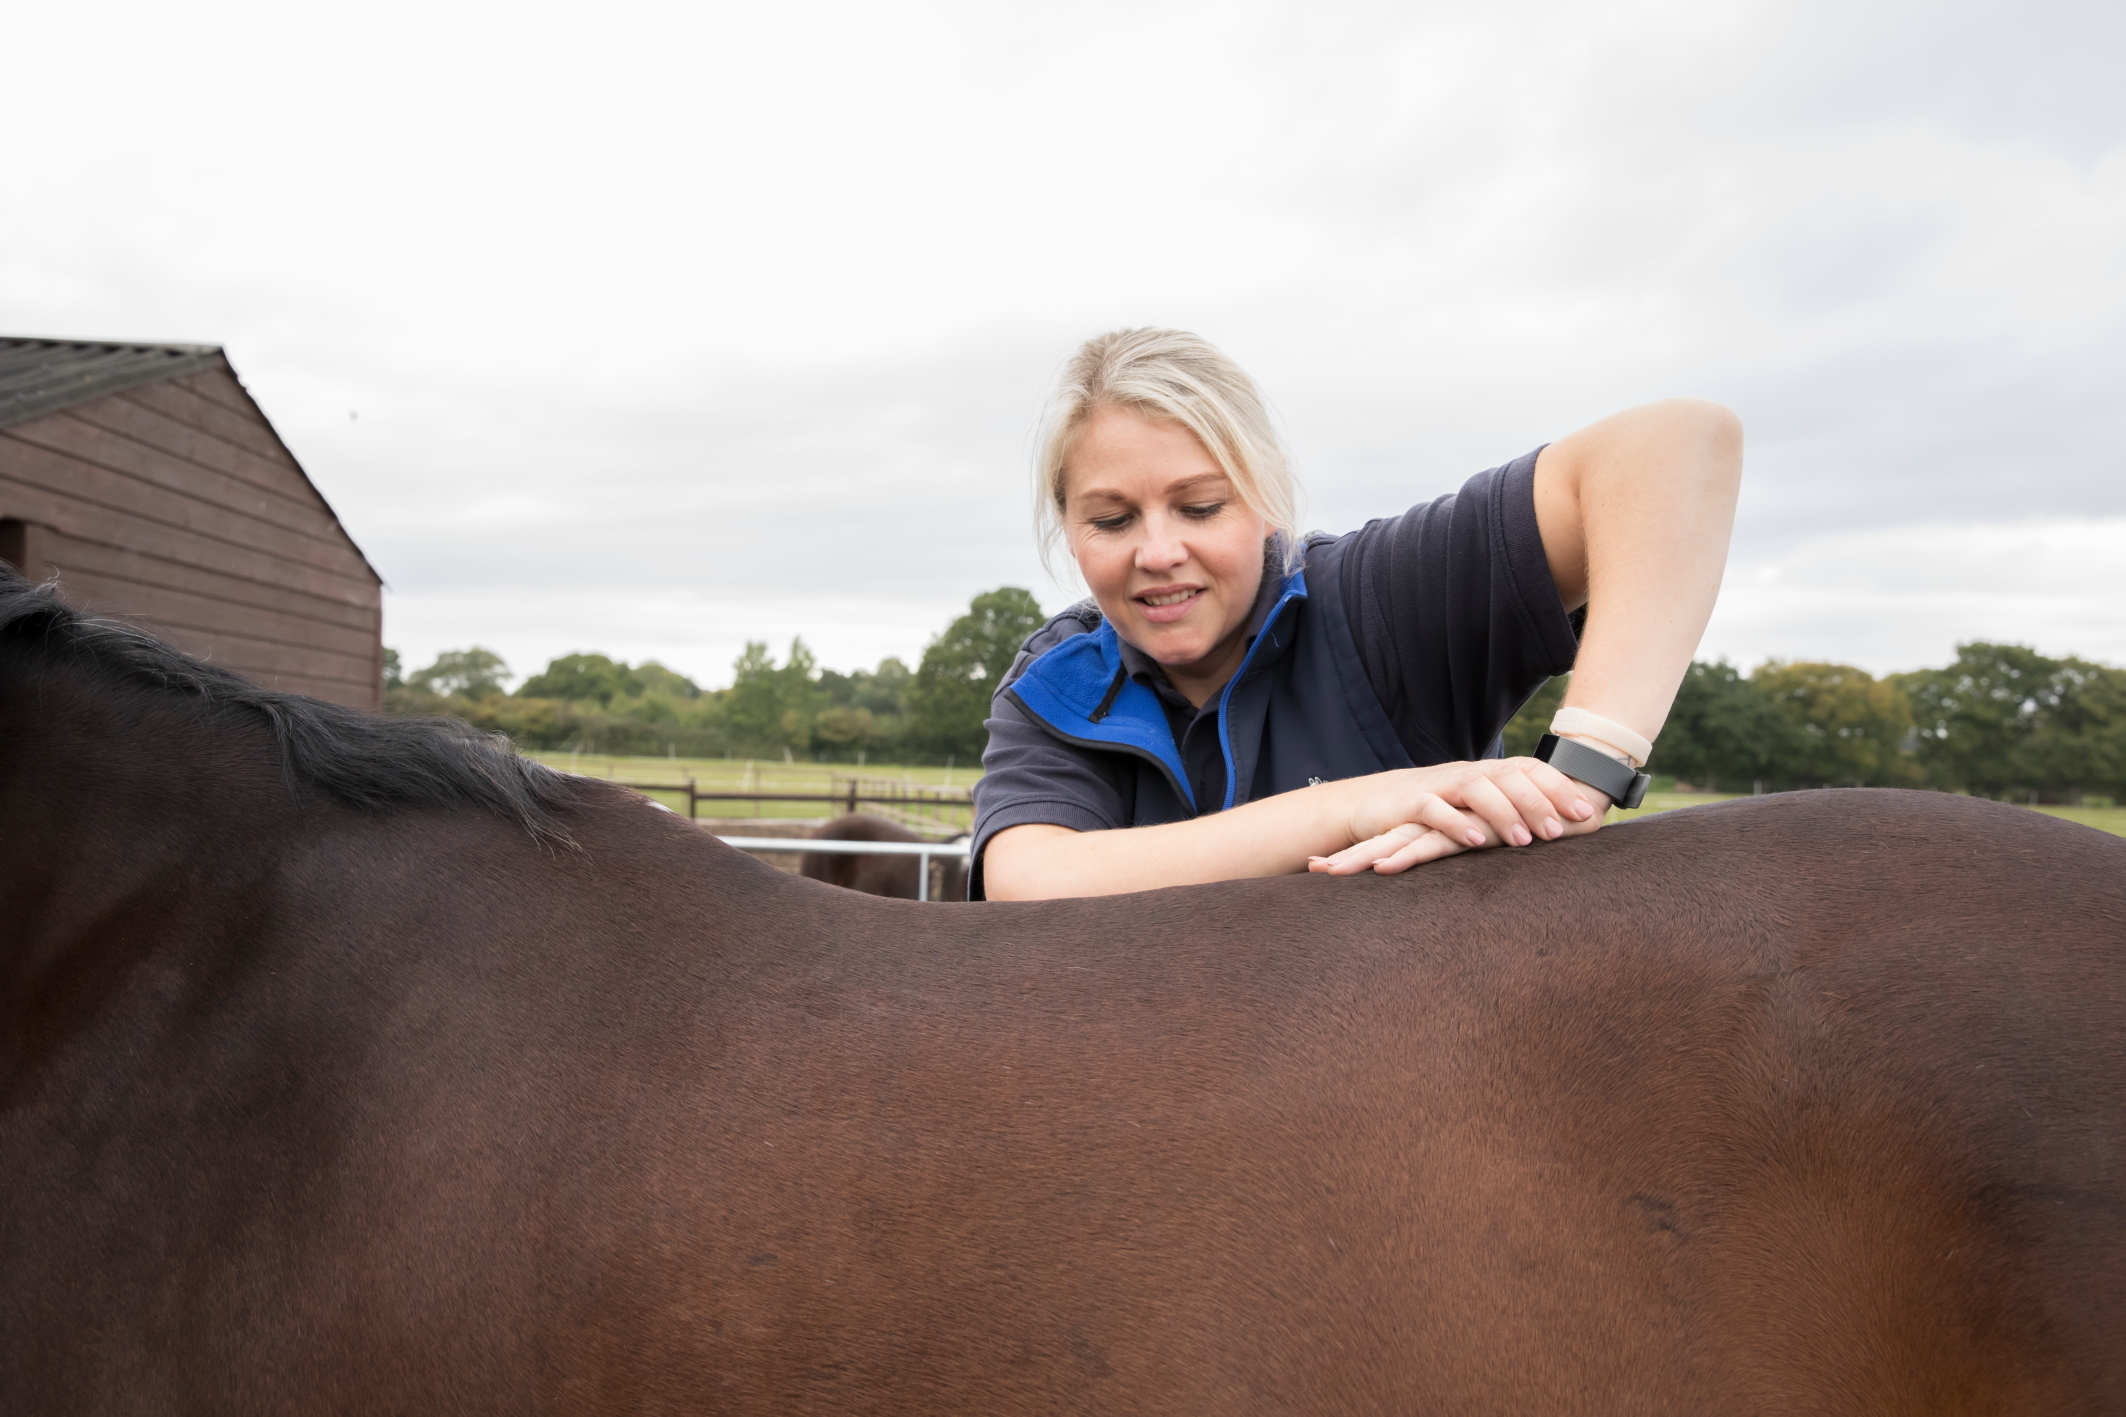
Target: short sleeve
x,y
1030,775
1455,613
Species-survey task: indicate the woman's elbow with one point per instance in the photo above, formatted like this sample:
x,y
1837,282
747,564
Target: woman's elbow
x,y
1710,434
1014,863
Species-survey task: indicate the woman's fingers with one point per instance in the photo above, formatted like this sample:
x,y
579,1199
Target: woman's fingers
x,y
1359,855
1438,814
1567,797
1548,816
1515,817
1394,850
1429,847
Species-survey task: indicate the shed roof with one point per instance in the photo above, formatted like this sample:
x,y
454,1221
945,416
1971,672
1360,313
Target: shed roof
x,y
40,375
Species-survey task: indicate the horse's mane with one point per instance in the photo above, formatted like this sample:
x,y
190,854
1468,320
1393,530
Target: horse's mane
x,y
366,760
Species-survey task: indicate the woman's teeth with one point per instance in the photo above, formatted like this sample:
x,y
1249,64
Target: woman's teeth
x,y
1174,599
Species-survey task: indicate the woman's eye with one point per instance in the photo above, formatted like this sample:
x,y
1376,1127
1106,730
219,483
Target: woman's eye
x,y
1204,511
1109,523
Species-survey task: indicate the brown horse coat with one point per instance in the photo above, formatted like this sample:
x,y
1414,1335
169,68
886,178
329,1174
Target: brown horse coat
x,y
892,876
1807,1103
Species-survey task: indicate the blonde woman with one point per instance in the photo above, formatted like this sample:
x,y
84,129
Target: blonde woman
x,y
1239,700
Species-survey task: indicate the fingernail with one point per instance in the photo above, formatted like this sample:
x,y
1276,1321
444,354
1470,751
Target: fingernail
x,y
1520,835
1580,810
1474,838
1552,829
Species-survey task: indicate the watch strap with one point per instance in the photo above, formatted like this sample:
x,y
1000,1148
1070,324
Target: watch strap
x,y
1598,770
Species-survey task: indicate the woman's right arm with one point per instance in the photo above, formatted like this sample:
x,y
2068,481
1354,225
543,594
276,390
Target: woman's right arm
x,y
1449,808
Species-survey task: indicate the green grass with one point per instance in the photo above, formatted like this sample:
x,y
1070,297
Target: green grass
x,y
759,775
2104,819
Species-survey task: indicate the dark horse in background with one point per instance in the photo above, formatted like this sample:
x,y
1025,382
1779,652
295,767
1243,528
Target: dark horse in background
x,y
352,1065
893,876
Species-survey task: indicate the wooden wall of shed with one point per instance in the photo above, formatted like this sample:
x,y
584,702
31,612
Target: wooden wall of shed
x,y
174,505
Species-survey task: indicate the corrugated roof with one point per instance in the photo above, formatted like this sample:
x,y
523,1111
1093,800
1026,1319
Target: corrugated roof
x,y
39,375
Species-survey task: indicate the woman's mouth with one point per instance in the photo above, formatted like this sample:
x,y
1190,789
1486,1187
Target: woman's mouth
x,y
1168,605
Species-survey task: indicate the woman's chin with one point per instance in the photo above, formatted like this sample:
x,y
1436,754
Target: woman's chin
x,y
1173,646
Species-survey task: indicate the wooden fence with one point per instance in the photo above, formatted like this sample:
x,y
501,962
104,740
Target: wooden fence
x,y
919,808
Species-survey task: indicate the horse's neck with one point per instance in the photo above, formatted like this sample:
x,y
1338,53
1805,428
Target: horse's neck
x,y
113,799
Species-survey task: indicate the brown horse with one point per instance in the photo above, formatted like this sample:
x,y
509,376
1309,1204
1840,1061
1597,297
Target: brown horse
x,y
892,876
356,1066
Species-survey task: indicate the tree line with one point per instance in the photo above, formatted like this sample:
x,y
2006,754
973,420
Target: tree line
x,y
795,709
1999,721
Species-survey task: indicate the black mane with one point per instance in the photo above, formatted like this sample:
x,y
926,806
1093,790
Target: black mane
x,y
363,759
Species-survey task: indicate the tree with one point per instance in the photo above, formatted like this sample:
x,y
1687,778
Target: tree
x,y
656,679
465,673
1974,718
843,729
865,709
961,669
1851,725
881,692
1724,730
770,706
1526,729
582,678
2097,726
393,679
2004,720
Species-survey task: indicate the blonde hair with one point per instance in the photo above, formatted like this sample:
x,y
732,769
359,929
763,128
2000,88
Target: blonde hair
x,y
1174,375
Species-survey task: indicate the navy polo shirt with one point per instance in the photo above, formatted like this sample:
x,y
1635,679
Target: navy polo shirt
x,y
1449,609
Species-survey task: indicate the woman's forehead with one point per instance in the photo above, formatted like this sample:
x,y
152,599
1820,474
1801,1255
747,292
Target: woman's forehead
x,y
1121,454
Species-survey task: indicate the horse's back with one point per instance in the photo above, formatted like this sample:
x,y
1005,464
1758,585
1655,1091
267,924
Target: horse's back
x,y
1814,1102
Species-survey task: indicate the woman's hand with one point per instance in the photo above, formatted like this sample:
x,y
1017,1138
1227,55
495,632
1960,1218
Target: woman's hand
x,y
1403,819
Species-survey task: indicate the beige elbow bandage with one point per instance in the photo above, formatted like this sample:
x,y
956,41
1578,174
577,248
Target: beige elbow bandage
x,y
1579,723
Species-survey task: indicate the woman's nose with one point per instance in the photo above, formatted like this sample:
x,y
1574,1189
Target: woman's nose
x,y
1161,549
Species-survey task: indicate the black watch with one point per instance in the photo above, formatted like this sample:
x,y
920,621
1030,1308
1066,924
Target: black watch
x,y
1600,771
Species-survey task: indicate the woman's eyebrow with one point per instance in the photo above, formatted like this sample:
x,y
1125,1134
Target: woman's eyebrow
x,y
1186,484
1177,488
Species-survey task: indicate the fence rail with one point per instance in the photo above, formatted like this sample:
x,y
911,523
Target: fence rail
x,y
923,850
931,800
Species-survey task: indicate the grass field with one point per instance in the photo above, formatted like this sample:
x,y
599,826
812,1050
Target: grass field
x,y
737,774
2104,819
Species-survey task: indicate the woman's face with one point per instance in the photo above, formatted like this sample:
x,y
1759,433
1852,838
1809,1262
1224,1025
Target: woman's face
x,y
1168,550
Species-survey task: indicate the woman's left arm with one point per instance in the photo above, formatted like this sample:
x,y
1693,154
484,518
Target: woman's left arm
x,y
1635,514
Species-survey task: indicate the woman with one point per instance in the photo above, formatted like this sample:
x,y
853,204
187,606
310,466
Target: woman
x,y
1236,700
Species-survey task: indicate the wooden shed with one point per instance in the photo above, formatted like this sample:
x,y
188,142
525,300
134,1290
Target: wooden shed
x,y
146,479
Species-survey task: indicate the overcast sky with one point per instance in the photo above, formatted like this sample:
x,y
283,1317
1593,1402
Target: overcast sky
x,y
651,329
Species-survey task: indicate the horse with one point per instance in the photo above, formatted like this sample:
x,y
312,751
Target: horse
x,y
893,876
356,1065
